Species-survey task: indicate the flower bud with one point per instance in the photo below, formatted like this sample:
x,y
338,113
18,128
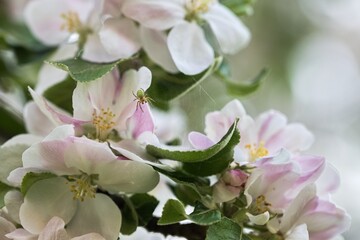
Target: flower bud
x,y
229,185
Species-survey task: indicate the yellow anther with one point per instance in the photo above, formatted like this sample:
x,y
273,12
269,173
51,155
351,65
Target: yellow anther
x,y
257,152
71,23
198,6
82,187
103,122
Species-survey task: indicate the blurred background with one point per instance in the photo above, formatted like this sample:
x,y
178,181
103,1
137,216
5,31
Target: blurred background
x,y
312,49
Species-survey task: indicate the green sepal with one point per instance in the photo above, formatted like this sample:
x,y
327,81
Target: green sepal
x,y
240,88
31,178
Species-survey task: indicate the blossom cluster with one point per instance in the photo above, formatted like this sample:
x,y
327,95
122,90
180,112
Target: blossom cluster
x,y
100,170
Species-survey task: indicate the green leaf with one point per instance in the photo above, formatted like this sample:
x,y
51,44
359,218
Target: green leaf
x,y
173,212
10,159
144,205
193,155
225,229
166,87
204,216
10,125
3,190
31,178
217,163
129,217
85,71
237,88
189,195
61,94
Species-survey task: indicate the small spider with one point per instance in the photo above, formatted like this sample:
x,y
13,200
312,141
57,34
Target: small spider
x,y
141,98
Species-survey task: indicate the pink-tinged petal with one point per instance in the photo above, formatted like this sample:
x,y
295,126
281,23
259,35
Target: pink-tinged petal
x,y
21,234
234,109
260,219
120,37
89,96
295,209
294,137
189,48
311,168
55,115
141,121
98,215
46,25
324,219
155,14
36,121
216,125
329,180
269,123
5,227
298,233
54,229
45,199
228,29
155,45
48,74
95,51
199,140
50,156
128,176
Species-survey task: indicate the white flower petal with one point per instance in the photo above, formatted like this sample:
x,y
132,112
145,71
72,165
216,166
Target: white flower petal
x,y
155,45
45,199
13,200
99,215
120,37
230,32
260,219
36,121
155,14
128,176
189,48
46,25
298,233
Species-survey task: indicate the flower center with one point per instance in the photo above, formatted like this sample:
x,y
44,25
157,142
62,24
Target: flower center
x,y
103,123
71,23
198,6
256,152
82,186
259,206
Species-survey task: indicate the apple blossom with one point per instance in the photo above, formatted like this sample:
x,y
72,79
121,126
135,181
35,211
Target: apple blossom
x,y
277,181
102,38
186,41
262,137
